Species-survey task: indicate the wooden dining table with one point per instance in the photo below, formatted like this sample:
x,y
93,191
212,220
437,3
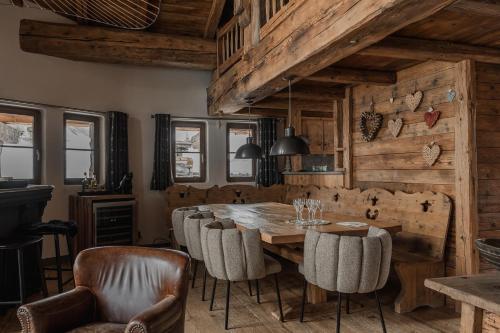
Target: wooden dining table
x,y
285,238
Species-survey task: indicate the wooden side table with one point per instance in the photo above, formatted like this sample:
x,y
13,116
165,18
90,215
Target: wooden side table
x,y
478,293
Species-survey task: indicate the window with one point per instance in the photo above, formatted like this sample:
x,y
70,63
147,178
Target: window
x,y
20,144
81,147
189,151
239,170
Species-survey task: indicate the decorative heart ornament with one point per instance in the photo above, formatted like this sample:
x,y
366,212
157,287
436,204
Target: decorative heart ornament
x,y
370,124
431,117
414,100
391,100
431,153
395,126
451,95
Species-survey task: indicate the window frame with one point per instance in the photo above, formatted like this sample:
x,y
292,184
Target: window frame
x,y
203,148
97,146
230,179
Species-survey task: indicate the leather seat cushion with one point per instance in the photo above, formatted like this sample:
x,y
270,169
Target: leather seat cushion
x,y
100,328
272,265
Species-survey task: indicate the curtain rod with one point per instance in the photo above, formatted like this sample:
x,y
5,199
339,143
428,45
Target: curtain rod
x,y
38,105
243,117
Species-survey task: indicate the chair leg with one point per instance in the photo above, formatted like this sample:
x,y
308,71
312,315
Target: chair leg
x,y
195,268
339,305
380,312
58,264
250,288
213,295
204,284
282,319
39,248
257,291
20,271
347,308
228,294
304,294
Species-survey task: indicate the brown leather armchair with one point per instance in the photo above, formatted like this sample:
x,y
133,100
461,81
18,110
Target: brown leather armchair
x,y
118,289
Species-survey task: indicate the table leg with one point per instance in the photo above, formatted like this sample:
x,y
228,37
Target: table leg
x,y
315,295
471,320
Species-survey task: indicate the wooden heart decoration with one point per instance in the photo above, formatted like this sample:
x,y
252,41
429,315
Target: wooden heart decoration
x,y
431,153
395,126
414,100
370,124
431,117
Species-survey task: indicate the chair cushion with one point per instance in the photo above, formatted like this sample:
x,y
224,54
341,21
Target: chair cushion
x,y
272,265
100,328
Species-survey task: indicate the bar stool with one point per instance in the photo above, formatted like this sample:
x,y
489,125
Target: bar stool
x,y
19,244
56,228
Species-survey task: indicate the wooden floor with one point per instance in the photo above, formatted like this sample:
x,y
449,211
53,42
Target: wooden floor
x,y
247,316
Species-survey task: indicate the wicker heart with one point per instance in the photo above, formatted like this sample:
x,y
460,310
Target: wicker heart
x,y
431,153
414,100
395,126
370,124
431,117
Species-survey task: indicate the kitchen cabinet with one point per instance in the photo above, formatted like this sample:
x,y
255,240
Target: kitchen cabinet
x,y
320,133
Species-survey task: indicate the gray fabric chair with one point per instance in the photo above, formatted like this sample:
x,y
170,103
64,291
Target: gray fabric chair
x,y
178,217
192,233
347,265
233,255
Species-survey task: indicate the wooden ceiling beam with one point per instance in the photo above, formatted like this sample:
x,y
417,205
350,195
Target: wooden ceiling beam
x,y
105,45
214,18
313,91
420,49
280,103
353,76
476,8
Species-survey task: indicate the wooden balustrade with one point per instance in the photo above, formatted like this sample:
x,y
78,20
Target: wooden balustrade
x,y
230,43
272,12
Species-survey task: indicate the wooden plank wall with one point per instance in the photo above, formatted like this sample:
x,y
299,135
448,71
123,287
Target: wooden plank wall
x,y
397,163
488,154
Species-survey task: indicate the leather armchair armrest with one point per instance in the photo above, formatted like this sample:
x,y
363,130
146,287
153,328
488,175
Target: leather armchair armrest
x,y
165,316
59,313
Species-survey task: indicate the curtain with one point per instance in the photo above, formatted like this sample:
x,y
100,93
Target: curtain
x,y
162,173
116,149
268,167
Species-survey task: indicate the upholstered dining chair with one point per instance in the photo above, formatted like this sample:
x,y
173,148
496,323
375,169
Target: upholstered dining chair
x,y
192,231
347,265
178,217
118,289
233,255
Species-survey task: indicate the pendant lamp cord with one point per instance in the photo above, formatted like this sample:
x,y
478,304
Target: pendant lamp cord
x,y
289,103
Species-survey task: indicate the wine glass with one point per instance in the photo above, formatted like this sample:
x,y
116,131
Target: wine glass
x,y
322,206
301,203
309,205
315,205
296,205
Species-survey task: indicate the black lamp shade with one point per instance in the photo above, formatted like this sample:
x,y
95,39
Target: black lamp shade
x,y
249,151
289,145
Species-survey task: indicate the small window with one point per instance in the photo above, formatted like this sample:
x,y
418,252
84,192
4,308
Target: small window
x,y
81,147
189,147
20,144
239,170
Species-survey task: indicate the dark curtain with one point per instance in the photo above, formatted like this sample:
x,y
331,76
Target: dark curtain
x,y
162,175
268,167
117,149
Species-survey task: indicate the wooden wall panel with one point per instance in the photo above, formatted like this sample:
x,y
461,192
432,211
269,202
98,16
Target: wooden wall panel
x,y
397,163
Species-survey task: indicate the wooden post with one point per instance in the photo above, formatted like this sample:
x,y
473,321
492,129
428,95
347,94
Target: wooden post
x,y
471,320
347,138
466,183
338,111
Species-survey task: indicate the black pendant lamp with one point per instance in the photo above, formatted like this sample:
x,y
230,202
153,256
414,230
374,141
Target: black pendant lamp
x,y
249,150
289,144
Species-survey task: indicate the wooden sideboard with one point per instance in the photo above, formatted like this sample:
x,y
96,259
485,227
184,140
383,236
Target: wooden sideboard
x,y
82,211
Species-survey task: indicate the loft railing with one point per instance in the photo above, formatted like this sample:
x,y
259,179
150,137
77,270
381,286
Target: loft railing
x,y
272,12
230,44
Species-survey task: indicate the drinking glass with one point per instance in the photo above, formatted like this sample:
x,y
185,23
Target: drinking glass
x,y
322,206
301,203
309,205
296,205
315,205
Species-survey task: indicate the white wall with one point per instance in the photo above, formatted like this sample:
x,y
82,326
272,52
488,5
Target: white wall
x,y
138,91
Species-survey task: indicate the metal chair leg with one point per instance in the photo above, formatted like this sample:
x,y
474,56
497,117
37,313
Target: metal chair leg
x,y
204,284
257,291
282,319
380,312
195,268
339,305
347,308
39,248
250,288
213,295
58,264
20,271
228,294
302,307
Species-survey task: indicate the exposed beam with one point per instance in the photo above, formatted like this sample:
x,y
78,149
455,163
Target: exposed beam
x,y
477,8
214,18
313,91
420,49
297,104
314,37
353,76
107,45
